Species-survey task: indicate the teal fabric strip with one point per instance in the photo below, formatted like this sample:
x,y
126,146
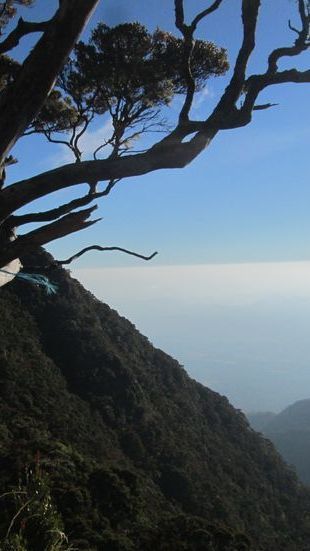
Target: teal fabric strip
x,y
36,279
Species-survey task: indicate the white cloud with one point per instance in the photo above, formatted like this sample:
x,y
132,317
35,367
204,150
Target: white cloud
x,y
201,97
215,283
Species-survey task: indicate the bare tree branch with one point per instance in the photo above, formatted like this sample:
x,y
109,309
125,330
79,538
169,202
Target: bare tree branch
x,y
179,14
232,93
46,216
205,13
99,248
172,154
256,83
226,115
73,222
15,221
188,36
22,29
264,106
301,43
187,32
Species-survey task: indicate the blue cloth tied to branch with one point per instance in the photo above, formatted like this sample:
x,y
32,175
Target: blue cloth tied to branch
x,y
36,279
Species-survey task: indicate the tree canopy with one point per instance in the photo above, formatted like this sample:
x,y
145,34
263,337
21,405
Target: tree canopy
x,y
131,75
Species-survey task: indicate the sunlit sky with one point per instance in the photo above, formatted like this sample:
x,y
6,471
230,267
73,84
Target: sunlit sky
x,y
241,208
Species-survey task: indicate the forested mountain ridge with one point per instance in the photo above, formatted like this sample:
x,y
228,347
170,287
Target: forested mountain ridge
x,y
289,430
139,456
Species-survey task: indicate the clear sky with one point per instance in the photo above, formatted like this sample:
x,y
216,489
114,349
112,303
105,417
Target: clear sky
x,y
244,201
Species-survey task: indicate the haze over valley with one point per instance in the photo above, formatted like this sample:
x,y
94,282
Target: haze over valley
x,y
241,329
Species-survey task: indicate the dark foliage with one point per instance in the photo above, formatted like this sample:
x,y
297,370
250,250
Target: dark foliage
x,y
138,455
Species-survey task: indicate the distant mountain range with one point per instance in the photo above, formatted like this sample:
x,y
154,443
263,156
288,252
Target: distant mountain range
x,y
290,433
108,437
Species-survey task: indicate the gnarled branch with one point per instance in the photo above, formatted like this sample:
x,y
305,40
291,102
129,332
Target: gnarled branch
x,y
99,248
205,13
22,29
73,222
166,156
52,214
188,36
234,89
301,43
187,32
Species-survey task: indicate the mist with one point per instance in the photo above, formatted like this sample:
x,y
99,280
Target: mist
x,y
240,329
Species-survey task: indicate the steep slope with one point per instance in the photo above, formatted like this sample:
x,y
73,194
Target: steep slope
x,y
139,456
290,433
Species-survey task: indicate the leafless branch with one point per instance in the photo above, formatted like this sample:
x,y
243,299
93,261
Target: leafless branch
x,y
22,29
264,106
232,93
73,222
205,13
76,149
255,84
290,26
301,43
170,155
187,32
99,148
188,36
110,186
49,137
99,248
53,214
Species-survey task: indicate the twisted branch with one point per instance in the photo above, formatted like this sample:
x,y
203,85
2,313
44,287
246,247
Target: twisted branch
x,y
99,248
73,222
301,43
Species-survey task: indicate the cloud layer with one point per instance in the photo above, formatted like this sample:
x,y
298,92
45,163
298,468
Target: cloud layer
x,y
242,329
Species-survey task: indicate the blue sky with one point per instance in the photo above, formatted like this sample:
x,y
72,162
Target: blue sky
x,y
244,201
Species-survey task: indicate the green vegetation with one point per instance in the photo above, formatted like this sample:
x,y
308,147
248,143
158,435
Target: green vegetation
x,y
130,74
134,455
35,523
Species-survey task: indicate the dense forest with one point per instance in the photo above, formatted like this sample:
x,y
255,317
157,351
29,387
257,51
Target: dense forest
x,y
107,439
